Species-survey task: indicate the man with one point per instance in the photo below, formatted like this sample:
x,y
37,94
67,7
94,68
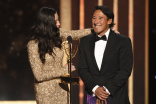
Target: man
x,y
105,60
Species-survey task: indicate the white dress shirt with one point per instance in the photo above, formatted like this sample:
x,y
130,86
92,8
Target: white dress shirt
x,y
99,52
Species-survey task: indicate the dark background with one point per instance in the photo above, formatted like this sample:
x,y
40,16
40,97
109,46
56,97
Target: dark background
x,y
152,52
16,17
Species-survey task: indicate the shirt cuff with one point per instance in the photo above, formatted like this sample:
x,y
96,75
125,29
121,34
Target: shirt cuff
x,y
93,90
106,90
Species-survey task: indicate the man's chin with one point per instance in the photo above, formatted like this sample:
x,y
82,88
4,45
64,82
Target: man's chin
x,y
97,32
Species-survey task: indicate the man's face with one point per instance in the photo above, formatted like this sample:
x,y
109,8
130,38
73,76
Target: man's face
x,y
100,23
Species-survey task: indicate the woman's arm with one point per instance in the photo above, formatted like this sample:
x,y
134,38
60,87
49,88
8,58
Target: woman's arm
x,y
75,34
40,71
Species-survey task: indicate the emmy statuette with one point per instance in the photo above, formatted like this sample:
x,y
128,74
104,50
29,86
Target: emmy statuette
x,y
66,78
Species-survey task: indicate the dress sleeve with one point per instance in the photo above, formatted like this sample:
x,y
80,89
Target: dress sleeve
x,y
75,34
40,70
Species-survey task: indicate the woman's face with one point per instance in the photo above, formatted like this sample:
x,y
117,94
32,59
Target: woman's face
x,y
57,20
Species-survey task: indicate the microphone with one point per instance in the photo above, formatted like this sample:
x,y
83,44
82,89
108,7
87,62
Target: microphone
x,y
69,38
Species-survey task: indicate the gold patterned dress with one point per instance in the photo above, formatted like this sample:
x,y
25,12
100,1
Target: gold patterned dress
x,y
47,76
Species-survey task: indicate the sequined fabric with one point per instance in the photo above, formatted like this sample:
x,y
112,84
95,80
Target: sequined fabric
x,y
47,76
92,100
75,34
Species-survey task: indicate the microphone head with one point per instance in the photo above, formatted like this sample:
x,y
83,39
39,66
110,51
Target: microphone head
x,y
69,38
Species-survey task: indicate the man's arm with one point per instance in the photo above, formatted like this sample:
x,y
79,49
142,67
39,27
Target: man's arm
x,y
83,69
126,63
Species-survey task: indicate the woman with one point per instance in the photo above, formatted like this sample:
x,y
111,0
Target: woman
x,y
45,56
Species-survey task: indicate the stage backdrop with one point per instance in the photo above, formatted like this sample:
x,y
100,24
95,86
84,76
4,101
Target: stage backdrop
x,y
131,18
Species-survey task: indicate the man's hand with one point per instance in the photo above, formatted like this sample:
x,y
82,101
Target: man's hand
x,y
101,93
98,101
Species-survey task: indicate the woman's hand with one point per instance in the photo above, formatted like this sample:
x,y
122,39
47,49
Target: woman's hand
x,y
114,29
72,67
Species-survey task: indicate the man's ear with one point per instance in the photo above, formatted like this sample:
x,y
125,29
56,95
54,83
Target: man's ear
x,y
109,21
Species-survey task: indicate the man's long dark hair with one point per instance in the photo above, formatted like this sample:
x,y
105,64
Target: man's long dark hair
x,y
45,32
108,12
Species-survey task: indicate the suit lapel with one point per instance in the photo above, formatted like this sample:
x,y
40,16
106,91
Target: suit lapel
x,y
92,46
109,46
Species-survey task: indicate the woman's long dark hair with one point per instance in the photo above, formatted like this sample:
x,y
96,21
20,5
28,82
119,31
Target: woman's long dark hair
x,y
45,32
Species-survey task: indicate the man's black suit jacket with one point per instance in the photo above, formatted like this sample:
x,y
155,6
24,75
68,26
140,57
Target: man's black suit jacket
x,y
115,69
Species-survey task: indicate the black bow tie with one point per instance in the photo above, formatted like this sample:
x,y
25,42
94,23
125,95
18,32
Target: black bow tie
x,y
97,38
